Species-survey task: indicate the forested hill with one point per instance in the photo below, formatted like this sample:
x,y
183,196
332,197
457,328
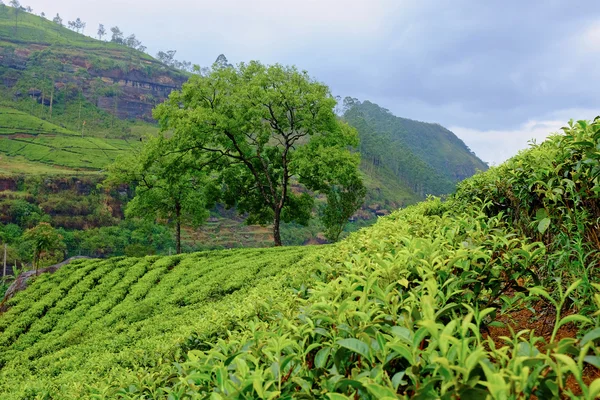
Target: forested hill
x,y
426,157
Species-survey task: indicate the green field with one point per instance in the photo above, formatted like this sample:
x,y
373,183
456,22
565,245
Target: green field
x,y
13,122
490,294
120,311
39,141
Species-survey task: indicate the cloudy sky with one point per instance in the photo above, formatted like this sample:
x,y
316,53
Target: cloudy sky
x,y
497,73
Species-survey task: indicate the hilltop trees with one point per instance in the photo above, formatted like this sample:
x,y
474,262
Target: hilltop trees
x,y
101,31
58,20
168,58
117,35
77,25
259,128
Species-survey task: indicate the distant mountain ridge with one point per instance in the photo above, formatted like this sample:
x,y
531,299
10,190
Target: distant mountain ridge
x,y
426,157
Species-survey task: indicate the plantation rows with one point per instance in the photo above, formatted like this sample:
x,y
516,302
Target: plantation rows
x,y
490,294
74,152
427,303
16,122
95,319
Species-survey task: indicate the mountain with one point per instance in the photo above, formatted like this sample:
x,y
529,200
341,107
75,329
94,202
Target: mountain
x,y
426,158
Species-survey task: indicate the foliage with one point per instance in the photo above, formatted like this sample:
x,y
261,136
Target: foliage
x,y
342,202
425,157
45,244
405,309
122,313
163,189
259,127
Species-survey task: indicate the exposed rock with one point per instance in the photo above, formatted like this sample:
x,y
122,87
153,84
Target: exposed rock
x,y
22,280
140,89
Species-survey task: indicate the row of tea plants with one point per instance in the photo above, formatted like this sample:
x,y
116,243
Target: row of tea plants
x,y
409,308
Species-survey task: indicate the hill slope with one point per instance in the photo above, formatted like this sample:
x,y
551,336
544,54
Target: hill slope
x,y
463,299
67,78
425,157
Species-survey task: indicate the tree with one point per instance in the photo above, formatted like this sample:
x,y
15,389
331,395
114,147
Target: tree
x,y
259,128
17,7
131,41
165,189
58,20
222,62
166,57
45,241
342,202
77,25
101,31
117,35
43,14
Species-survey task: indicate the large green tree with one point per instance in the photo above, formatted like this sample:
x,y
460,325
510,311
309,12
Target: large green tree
x,y
165,188
260,129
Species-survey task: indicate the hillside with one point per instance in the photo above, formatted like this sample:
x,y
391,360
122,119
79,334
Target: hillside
x,y
46,63
426,158
482,296
71,104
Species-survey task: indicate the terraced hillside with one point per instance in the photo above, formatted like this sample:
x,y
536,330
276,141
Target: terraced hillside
x,y
67,151
122,311
490,294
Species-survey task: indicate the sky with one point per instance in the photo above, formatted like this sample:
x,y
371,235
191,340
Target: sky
x,y
496,73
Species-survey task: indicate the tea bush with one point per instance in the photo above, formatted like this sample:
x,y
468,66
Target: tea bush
x,y
409,308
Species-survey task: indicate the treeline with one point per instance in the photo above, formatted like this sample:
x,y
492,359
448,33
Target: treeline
x,y
116,35
426,157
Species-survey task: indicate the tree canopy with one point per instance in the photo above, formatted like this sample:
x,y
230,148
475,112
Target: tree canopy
x,y
268,134
45,242
164,188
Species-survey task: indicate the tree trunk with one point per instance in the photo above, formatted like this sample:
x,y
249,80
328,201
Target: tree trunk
x,y
276,232
51,99
178,229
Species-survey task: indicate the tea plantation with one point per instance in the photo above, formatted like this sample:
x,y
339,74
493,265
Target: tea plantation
x,y
428,303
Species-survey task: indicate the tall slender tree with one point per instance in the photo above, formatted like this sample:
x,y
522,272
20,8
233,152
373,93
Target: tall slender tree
x,y
16,5
101,31
58,20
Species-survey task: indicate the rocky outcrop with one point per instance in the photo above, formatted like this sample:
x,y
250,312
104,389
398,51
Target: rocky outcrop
x,y
22,280
128,88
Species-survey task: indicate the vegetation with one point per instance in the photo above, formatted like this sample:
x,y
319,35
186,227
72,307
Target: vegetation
x,y
45,242
163,189
426,158
481,296
260,128
87,306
